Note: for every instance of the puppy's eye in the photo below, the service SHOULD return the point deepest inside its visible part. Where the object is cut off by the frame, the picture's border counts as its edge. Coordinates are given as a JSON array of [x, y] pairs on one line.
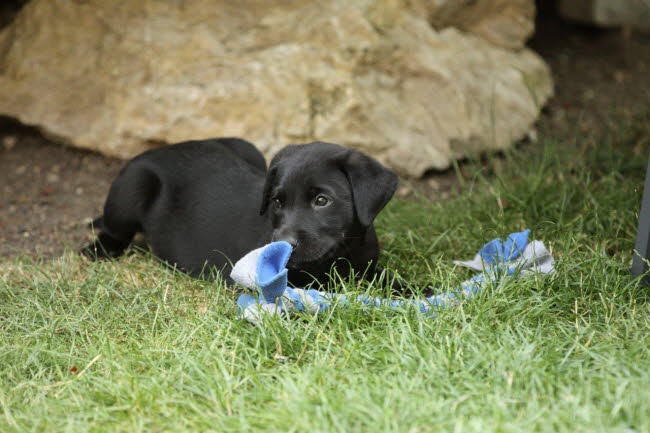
[[321, 201], [277, 203]]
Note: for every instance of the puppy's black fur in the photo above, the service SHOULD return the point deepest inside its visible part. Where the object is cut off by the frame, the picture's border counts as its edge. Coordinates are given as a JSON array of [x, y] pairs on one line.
[[205, 204]]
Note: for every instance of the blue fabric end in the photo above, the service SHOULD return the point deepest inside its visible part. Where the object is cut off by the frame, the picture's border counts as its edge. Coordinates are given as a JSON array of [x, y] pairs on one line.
[[498, 251], [271, 270]]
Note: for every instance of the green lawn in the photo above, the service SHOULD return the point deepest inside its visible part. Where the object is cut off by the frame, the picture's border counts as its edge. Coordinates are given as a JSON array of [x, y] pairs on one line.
[[131, 346]]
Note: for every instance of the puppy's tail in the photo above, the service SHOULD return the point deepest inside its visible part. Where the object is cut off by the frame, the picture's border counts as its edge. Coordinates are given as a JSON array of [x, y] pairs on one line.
[[97, 224]]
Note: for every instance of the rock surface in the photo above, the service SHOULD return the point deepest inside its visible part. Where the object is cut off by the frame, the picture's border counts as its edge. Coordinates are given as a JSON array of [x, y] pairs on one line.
[[608, 13], [415, 83]]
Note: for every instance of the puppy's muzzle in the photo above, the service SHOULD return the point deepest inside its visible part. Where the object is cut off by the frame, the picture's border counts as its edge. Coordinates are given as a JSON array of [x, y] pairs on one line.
[[291, 239]]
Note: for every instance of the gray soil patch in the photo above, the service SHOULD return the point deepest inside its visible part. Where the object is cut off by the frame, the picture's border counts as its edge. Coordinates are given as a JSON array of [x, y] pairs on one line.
[[49, 192]]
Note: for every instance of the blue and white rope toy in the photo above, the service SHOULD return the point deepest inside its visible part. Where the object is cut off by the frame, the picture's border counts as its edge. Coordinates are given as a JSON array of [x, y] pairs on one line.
[[264, 270]]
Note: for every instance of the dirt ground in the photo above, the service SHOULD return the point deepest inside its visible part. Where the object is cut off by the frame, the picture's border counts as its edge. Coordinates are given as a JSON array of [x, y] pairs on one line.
[[50, 192]]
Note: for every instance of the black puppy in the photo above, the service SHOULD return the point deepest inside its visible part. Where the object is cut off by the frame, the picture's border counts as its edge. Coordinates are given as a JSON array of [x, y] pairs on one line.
[[205, 204]]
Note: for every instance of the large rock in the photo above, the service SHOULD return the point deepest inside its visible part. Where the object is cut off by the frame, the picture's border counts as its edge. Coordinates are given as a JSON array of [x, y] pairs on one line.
[[416, 83]]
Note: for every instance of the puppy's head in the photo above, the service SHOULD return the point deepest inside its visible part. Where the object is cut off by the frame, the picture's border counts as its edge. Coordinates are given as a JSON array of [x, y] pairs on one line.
[[321, 196]]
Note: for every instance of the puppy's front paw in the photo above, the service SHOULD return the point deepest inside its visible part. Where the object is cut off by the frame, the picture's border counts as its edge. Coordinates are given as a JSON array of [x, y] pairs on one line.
[[99, 250]]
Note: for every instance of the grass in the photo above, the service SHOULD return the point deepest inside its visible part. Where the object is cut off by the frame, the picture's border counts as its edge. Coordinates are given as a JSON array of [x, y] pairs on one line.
[[131, 346]]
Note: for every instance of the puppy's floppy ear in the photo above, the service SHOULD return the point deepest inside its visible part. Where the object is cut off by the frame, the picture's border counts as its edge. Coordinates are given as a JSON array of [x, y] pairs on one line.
[[372, 184], [266, 192]]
